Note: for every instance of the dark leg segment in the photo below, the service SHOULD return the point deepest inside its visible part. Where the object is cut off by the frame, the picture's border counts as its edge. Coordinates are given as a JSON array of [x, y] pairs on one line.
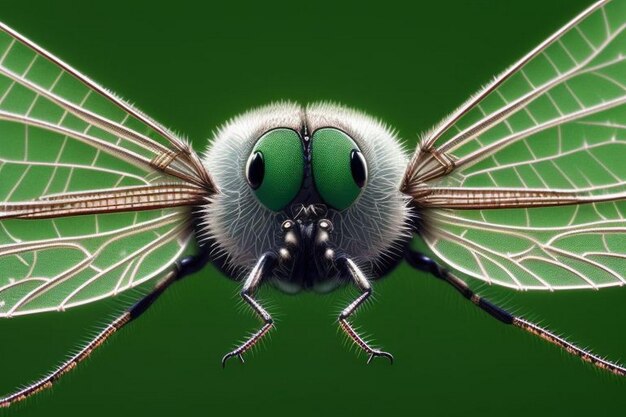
[[349, 268], [265, 263], [184, 268], [423, 263]]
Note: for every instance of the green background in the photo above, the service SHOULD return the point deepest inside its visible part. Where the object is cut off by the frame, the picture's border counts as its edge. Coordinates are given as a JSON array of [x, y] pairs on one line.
[[192, 67]]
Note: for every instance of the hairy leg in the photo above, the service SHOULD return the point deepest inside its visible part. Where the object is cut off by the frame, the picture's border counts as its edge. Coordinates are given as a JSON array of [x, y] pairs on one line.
[[254, 279], [184, 267], [364, 286], [423, 263]]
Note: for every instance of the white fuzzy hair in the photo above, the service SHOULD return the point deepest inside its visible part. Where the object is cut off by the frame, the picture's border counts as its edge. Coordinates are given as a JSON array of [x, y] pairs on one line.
[[242, 228]]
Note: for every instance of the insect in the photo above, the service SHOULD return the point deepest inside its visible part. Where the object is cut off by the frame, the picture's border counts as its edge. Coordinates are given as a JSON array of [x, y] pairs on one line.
[[523, 186]]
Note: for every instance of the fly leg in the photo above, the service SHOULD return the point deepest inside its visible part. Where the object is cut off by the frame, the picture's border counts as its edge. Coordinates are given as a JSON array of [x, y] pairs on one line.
[[366, 290], [261, 270], [265, 263], [183, 268], [423, 263], [349, 269]]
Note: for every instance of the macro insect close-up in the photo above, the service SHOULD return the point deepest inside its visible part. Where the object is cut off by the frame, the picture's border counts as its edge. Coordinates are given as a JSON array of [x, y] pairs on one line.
[[522, 187]]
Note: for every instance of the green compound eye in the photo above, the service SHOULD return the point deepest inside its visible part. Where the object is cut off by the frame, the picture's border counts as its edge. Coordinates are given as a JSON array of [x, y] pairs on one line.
[[339, 169], [275, 168]]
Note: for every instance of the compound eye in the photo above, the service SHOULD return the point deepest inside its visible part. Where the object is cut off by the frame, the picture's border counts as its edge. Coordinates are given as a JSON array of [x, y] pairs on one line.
[[275, 168], [339, 168]]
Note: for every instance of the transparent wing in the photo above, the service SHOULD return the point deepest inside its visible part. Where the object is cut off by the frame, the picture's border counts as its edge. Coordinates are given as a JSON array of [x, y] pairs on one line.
[[38, 91], [525, 185], [94, 196], [54, 264]]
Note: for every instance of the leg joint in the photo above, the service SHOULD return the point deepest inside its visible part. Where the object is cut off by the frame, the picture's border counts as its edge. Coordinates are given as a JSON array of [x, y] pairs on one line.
[[190, 265]]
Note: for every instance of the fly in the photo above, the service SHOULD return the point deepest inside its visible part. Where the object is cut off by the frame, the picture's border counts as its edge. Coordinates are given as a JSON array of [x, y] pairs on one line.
[[523, 186]]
